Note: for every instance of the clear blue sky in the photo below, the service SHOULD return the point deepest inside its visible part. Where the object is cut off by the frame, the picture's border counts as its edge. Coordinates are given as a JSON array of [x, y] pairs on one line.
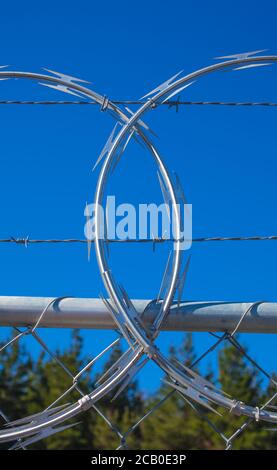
[[225, 157]]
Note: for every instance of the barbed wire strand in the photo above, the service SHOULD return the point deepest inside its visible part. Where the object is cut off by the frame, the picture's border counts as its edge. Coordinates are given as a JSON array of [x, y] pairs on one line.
[[170, 103], [28, 241]]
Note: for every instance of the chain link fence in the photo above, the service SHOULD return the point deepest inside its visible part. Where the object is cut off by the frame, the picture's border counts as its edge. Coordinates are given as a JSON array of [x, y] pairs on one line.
[[123, 436]]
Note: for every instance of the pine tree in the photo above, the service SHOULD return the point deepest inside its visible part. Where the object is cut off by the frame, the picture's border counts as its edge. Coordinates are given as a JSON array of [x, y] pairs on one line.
[[15, 370], [242, 381], [28, 386], [122, 412], [175, 425], [49, 382]]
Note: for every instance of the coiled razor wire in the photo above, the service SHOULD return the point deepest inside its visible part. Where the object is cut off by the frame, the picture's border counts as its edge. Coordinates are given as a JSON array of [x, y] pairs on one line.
[[194, 389]]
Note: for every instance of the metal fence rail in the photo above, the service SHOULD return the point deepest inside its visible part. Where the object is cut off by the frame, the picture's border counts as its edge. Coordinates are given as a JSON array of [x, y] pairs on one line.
[[183, 316], [124, 435]]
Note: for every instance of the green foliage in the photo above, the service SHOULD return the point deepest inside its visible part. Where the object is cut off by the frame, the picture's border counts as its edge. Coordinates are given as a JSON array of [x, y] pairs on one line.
[[28, 386]]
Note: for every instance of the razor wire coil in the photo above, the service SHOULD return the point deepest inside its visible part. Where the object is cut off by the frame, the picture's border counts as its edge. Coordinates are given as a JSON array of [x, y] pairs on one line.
[[196, 391]]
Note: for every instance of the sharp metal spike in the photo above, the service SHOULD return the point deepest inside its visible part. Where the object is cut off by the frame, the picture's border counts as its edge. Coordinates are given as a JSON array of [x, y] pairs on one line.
[[194, 395], [126, 297], [180, 198], [96, 358], [179, 189], [162, 86], [165, 193], [3, 67], [182, 281], [118, 321], [177, 91], [129, 378], [250, 66], [122, 150], [121, 325], [241, 55], [186, 214], [165, 276], [122, 360], [197, 379], [108, 305], [42, 435], [36, 417], [122, 387], [66, 78], [130, 306], [61, 88], [19, 444], [106, 147], [4, 416]]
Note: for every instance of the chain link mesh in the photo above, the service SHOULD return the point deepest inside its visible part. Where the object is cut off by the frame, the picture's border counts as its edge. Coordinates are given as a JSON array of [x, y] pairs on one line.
[[124, 435]]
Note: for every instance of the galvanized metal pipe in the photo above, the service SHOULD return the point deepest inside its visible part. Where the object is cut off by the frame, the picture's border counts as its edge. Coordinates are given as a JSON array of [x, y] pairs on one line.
[[93, 314]]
